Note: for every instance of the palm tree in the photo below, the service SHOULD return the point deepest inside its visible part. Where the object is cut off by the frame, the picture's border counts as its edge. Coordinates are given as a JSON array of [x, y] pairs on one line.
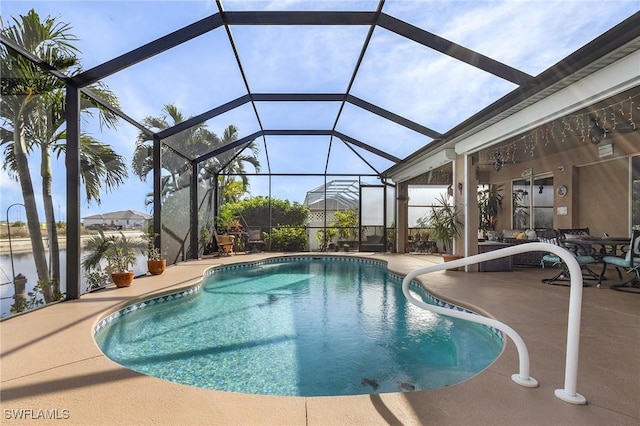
[[190, 143], [100, 165], [23, 83], [43, 126], [234, 164]]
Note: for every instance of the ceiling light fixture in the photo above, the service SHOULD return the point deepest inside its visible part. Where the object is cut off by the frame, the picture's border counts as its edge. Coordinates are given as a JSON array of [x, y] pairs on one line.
[[497, 164]]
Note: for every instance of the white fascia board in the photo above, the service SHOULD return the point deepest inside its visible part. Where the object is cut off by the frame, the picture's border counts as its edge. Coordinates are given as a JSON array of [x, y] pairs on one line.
[[615, 78], [424, 165]]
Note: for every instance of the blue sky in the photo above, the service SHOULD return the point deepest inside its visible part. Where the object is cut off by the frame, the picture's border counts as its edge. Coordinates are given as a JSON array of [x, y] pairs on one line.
[[396, 74]]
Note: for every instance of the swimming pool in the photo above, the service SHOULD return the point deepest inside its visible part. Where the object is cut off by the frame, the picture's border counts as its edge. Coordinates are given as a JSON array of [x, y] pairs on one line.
[[303, 326]]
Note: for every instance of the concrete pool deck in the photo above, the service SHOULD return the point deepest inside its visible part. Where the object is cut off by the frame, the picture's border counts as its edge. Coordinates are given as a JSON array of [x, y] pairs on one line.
[[51, 366]]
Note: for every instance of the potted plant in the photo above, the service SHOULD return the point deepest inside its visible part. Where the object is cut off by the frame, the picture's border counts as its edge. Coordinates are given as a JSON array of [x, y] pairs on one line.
[[225, 220], [445, 223], [156, 263], [119, 252]]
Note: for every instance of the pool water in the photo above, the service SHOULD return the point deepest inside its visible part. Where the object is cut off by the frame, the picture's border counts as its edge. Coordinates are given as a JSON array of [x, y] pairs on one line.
[[307, 327]]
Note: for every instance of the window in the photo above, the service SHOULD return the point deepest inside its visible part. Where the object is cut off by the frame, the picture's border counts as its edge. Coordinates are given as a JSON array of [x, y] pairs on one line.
[[533, 203]]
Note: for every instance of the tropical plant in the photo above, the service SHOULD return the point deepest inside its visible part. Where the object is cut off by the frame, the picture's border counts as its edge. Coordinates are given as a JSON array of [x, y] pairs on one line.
[[346, 223], [151, 251], [33, 105], [227, 216], [489, 204], [445, 221], [119, 252], [392, 232], [232, 162], [520, 209], [97, 279], [325, 236], [190, 143]]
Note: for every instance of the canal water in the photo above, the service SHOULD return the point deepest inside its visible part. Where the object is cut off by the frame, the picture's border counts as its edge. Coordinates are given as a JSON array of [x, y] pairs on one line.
[[24, 264]]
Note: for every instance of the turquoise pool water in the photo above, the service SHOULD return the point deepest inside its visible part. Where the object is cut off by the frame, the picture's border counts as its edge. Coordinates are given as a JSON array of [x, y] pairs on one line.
[[305, 327]]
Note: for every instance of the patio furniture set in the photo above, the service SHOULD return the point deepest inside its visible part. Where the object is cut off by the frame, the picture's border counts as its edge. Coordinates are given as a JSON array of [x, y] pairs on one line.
[[623, 253]]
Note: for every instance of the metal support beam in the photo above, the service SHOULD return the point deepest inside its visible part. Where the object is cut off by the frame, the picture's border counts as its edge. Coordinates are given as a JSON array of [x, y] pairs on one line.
[[193, 191], [454, 50], [228, 146], [298, 18], [148, 50], [72, 159], [398, 119], [201, 118], [157, 191], [366, 147], [298, 97]]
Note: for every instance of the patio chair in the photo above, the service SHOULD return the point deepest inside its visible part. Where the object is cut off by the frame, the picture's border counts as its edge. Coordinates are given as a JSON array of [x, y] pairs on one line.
[[225, 248], [254, 240], [582, 257], [630, 262]]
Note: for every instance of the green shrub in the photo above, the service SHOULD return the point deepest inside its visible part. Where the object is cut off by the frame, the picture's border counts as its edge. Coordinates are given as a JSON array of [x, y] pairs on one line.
[[255, 211], [287, 239]]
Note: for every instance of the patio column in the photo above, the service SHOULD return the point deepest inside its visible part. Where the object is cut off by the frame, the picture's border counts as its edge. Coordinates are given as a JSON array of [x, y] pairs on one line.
[[471, 220], [193, 193], [403, 217]]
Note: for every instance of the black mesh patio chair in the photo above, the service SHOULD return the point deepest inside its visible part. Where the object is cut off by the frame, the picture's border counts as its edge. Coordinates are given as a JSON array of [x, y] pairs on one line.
[[254, 240], [584, 259], [630, 262]]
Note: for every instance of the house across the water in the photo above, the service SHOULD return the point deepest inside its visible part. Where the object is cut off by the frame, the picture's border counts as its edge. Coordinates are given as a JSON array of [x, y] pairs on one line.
[[126, 219]]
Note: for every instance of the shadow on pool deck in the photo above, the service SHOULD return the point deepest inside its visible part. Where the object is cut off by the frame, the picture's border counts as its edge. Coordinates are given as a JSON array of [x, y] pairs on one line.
[[50, 362]]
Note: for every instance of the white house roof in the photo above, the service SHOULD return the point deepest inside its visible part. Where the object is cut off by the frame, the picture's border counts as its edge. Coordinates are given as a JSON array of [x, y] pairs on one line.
[[121, 215]]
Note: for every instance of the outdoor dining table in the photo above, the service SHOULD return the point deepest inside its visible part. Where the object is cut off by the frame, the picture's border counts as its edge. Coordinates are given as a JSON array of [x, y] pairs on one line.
[[600, 247], [603, 246]]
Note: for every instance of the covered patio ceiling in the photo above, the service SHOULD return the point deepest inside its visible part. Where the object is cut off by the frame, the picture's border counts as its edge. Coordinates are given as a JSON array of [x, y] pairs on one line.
[[328, 88], [612, 120]]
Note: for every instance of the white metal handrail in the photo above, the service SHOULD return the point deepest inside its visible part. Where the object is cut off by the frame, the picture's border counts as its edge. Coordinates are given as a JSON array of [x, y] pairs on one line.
[[567, 394]]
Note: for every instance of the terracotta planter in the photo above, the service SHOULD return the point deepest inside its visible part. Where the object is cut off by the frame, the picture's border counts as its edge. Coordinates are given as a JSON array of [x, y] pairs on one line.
[[156, 267], [224, 241], [450, 257], [122, 279]]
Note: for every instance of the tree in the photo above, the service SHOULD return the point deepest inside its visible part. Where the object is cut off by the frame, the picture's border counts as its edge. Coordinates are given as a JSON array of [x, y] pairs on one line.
[[346, 222], [22, 84], [178, 150], [445, 221], [233, 163], [190, 144], [42, 125]]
